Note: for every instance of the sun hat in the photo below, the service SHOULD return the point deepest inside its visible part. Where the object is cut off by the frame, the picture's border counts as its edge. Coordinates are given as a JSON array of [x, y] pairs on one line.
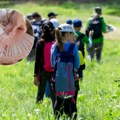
[[55, 22], [77, 23], [67, 28], [13, 48]]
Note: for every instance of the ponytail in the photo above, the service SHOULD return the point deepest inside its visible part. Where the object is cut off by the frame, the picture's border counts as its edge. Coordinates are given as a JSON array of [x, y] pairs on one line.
[[59, 41]]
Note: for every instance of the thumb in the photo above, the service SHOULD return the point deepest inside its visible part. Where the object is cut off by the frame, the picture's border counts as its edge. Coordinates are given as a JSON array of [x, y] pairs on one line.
[[11, 29]]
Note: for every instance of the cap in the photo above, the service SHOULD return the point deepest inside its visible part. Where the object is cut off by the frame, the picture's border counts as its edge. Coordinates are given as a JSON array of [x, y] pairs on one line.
[[67, 28], [98, 10], [77, 23], [52, 14], [55, 22], [69, 21]]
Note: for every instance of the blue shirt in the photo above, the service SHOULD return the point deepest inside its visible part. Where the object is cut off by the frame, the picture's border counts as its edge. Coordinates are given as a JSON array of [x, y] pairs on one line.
[[66, 47]]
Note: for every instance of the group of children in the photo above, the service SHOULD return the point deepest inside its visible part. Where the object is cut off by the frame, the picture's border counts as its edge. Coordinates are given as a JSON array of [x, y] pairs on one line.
[[52, 41], [60, 56], [62, 38]]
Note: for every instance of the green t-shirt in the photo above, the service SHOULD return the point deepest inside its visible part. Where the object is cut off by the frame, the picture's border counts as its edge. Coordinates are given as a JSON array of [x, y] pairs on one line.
[[101, 39], [84, 39]]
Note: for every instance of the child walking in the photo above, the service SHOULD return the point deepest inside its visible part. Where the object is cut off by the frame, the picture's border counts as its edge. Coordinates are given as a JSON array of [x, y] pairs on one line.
[[36, 24], [81, 40], [65, 35], [98, 25], [43, 70]]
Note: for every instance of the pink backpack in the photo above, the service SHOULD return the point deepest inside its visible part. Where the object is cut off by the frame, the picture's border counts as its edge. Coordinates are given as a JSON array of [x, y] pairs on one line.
[[47, 63]]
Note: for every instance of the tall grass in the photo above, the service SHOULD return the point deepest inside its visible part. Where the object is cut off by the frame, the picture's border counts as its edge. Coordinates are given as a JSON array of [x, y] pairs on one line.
[[99, 97]]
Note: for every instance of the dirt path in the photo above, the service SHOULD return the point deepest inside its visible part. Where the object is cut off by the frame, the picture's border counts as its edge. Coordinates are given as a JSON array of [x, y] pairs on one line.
[[113, 35]]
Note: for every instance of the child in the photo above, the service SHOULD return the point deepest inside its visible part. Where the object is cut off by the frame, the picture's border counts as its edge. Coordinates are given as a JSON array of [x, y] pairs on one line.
[[98, 25], [65, 36], [36, 23], [43, 70], [81, 40]]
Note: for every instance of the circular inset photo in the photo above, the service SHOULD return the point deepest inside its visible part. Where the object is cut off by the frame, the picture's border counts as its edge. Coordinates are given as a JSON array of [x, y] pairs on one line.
[[16, 37]]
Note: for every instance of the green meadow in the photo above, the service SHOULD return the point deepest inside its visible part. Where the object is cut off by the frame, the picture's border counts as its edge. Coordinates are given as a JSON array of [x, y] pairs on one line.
[[99, 95]]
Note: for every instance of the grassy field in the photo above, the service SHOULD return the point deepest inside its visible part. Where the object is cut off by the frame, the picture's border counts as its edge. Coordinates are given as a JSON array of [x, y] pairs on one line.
[[99, 97]]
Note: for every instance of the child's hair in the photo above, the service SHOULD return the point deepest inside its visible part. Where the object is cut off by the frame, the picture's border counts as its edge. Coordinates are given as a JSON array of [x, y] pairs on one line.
[[48, 31], [36, 15], [59, 41]]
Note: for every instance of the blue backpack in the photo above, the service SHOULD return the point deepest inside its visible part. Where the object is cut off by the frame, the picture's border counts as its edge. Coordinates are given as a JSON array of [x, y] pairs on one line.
[[64, 73]]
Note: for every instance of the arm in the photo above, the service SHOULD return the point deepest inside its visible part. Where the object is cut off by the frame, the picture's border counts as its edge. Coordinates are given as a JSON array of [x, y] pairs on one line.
[[36, 68], [37, 59], [104, 28], [38, 63], [76, 58], [89, 34], [88, 40], [53, 55]]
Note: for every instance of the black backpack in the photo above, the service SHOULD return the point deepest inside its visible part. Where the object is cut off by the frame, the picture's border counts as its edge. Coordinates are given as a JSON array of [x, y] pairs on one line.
[[96, 26]]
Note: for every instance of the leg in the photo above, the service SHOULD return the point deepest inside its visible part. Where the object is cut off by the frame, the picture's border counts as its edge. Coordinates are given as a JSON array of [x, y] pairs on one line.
[[58, 107], [99, 52], [41, 86], [44, 77], [80, 72], [52, 95], [47, 90], [67, 107], [74, 107], [50, 92], [70, 107]]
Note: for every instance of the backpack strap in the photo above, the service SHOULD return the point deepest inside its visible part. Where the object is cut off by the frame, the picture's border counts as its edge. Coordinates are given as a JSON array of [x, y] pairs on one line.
[[82, 35], [71, 48]]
